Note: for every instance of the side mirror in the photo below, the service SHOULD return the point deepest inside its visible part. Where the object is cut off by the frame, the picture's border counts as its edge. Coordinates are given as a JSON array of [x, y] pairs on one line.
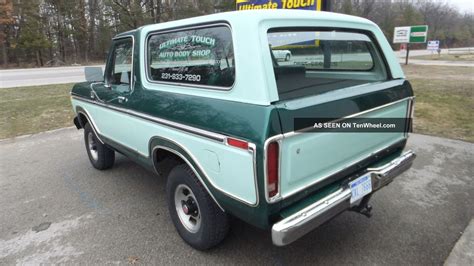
[[94, 74]]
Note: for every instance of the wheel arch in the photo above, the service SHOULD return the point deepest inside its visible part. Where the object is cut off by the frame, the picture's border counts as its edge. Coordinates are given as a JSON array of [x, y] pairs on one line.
[[161, 148], [83, 118]]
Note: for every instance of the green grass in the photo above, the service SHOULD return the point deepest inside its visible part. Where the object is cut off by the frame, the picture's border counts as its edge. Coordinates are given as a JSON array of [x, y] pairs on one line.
[[446, 57], [444, 100], [444, 108], [28, 110]]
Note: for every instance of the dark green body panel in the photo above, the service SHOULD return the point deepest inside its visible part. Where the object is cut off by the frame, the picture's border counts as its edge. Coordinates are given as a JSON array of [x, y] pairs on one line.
[[253, 123], [346, 106]]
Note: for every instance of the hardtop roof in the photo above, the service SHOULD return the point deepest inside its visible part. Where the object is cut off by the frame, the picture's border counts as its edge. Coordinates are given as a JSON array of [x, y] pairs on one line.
[[253, 17]]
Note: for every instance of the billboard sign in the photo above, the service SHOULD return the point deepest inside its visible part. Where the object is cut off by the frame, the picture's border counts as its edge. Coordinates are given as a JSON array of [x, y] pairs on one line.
[[410, 34], [433, 45], [318, 5]]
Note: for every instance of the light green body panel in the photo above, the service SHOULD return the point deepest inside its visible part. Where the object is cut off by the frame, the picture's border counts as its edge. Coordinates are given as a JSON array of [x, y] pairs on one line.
[[307, 158], [228, 169]]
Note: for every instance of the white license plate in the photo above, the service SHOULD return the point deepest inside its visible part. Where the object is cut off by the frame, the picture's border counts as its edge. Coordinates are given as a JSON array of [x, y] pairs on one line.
[[360, 187]]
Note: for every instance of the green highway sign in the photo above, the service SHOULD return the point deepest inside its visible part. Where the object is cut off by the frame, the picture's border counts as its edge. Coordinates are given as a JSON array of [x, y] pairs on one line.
[[410, 34]]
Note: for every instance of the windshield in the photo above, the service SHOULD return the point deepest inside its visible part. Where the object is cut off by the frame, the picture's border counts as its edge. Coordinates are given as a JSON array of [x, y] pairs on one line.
[[308, 62]]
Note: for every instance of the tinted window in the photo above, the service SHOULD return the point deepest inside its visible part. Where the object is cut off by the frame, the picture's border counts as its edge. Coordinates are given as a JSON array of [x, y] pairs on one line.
[[308, 62], [201, 56]]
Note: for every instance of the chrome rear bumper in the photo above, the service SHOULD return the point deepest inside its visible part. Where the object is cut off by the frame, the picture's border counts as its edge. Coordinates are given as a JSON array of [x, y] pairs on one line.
[[295, 226]]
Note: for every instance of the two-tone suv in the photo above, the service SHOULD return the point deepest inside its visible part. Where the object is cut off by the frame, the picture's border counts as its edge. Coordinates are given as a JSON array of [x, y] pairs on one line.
[[204, 103]]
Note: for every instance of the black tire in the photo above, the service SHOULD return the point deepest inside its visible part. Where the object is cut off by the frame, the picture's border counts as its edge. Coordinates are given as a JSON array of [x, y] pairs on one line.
[[287, 57], [100, 156], [214, 223]]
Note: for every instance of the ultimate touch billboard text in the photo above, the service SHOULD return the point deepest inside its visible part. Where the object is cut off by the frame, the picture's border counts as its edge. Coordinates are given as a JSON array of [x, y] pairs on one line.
[[282, 4]]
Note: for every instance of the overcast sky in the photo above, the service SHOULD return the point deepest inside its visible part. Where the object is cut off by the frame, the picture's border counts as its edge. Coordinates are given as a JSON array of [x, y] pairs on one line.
[[462, 5]]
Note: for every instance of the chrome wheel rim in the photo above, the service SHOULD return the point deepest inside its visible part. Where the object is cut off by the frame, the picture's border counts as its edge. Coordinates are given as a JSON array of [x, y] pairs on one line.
[[92, 145], [187, 208]]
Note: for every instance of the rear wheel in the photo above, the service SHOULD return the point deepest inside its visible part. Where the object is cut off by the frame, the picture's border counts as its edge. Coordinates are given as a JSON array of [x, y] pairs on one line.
[[100, 156], [287, 57], [197, 218]]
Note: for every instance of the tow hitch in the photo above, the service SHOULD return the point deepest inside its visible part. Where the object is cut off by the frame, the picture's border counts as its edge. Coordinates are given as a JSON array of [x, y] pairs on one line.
[[364, 207]]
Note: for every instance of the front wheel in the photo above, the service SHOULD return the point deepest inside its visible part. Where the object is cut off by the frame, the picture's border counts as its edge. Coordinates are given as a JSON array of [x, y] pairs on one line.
[[197, 218], [287, 57], [100, 156]]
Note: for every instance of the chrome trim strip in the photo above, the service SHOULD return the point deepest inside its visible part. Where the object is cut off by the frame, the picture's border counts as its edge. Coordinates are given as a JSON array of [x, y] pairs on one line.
[[178, 84], [196, 131], [281, 137], [210, 180]]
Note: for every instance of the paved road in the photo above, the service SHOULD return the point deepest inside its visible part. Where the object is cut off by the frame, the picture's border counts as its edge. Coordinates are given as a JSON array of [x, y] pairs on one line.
[[86, 216], [438, 62], [402, 54], [58, 75], [41, 76]]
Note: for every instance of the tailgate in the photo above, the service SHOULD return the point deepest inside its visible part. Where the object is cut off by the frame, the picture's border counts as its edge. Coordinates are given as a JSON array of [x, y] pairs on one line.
[[309, 158]]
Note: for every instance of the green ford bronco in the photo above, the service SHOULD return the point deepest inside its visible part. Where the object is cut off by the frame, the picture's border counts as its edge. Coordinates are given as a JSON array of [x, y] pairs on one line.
[[205, 103]]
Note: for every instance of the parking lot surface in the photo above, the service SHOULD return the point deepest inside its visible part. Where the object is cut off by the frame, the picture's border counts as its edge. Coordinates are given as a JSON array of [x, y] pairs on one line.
[[57, 208]]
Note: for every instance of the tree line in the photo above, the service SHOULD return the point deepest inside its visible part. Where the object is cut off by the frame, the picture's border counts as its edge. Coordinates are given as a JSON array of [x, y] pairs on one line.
[[61, 32]]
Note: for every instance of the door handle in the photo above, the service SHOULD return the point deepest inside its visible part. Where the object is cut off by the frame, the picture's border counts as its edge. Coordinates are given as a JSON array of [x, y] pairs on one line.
[[122, 99]]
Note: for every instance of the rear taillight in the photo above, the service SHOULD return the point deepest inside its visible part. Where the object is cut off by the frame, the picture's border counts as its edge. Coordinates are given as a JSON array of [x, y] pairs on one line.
[[272, 169]]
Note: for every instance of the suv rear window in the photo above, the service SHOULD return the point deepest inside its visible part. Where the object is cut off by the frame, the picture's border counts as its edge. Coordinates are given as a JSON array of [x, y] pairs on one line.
[[201, 56], [309, 62]]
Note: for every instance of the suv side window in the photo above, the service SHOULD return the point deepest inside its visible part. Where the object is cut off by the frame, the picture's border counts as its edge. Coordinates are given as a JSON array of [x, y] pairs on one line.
[[121, 65], [201, 56]]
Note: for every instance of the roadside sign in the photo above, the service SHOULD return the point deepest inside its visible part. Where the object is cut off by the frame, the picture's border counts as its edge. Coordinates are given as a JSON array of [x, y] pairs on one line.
[[433, 45], [401, 35], [419, 34], [410, 34], [318, 5]]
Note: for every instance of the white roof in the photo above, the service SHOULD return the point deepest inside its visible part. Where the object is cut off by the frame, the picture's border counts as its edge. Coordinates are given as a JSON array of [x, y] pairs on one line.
[[256, 16]]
